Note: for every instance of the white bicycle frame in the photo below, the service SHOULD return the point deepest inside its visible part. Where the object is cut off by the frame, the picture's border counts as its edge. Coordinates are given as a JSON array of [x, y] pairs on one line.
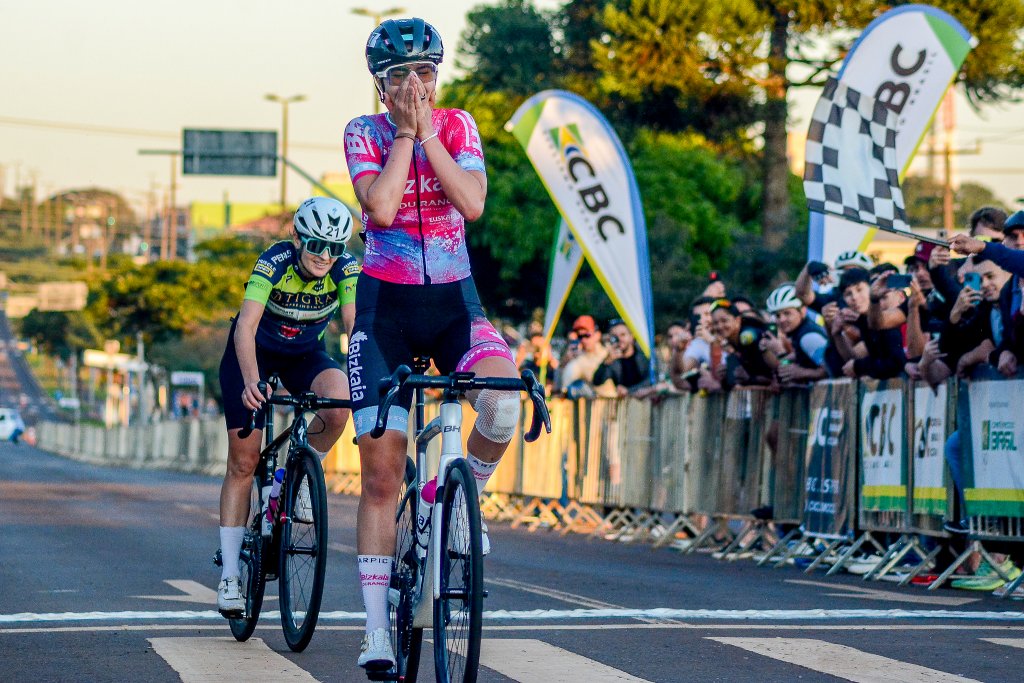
[[428, 516]]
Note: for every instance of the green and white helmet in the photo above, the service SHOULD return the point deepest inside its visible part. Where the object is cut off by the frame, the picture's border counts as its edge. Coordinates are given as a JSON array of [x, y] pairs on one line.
[[783, 297], [854, 258]]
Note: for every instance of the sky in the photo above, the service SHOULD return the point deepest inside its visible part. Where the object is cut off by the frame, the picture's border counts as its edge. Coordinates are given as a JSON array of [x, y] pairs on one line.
[[75, 71]]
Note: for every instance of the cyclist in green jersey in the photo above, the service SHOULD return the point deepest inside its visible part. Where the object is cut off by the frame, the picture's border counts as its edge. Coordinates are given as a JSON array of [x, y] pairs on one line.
[[295, 289]]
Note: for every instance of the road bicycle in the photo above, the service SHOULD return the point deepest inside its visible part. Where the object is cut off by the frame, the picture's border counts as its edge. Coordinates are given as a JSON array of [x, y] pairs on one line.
[[437, 570], [277, 545]]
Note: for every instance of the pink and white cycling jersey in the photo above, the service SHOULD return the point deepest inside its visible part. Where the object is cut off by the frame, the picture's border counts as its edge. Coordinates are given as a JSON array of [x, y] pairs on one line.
[[426, 244]]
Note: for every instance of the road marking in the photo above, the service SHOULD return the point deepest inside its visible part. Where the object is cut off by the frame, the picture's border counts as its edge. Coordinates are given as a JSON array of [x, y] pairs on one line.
[[571, 598], [199, 510], [842, 661], [209, 660], [875, 594], [1011, 642], [551, 615], [193, 592], [534, 661], [531, 628]]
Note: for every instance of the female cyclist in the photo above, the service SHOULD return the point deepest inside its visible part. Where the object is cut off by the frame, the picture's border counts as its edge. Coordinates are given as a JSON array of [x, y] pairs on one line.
[[295, 288], [419, 176]]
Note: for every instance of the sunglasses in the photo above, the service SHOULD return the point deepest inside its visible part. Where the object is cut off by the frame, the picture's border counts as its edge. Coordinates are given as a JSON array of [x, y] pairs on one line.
[[426, 72], [317, 247], [582, 335]]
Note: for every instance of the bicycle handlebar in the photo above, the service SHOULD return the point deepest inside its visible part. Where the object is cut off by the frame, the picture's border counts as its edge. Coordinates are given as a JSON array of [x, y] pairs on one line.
[[460, 383], [303, 402]]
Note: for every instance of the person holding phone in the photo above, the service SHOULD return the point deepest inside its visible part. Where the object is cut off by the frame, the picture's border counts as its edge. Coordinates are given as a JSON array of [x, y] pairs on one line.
[[794, 345]]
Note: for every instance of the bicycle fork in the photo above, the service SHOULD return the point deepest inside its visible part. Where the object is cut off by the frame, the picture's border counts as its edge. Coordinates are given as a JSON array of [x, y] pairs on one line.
[[429, 515]]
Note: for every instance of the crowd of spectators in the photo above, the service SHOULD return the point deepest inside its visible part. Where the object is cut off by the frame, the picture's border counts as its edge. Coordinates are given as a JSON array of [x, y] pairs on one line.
[[941, 316]]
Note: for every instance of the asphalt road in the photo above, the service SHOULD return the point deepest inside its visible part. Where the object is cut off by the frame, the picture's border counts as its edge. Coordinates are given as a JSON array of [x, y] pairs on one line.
[[106, 575]]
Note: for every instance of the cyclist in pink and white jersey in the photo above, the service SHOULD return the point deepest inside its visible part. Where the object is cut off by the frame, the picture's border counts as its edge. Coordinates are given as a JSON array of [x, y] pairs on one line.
[[419, 176]]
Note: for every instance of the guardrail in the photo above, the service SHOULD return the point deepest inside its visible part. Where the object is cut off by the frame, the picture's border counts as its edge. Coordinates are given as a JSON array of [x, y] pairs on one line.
[[841, 465]]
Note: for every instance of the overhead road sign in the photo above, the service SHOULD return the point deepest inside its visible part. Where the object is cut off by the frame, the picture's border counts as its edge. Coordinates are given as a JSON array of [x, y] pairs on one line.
[[229, 152]]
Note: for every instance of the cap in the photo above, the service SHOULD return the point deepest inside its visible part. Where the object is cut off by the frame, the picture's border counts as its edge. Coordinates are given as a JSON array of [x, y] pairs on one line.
[[922, 252], [585, 323]]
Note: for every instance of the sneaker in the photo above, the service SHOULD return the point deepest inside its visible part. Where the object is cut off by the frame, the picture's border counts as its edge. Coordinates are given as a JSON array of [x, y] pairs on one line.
[[862, 565], [986, 578], [375, 653], [303, 511], [229, 597], [956, 527]]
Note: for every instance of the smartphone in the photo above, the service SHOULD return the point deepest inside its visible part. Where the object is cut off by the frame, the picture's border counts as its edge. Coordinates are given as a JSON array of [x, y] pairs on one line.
[[973, 280], [899, 281], [774, 329]]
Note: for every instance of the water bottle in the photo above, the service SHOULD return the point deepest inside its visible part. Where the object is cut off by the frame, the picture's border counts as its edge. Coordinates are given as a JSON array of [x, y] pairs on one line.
[[275, 493]]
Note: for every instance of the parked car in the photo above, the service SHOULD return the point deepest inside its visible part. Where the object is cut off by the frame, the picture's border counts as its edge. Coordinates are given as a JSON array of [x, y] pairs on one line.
[[11, 425]]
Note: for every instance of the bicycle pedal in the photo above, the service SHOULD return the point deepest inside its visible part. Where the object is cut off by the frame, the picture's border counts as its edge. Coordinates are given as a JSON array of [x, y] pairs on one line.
[[232, 614], [391, 675], [486, 593]]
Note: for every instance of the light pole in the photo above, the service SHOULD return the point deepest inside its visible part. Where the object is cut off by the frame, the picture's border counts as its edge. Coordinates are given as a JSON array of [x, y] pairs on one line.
[[377, 17], [284, 101]]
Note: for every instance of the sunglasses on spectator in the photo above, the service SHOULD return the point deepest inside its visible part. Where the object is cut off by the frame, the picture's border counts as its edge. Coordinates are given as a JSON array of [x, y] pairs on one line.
[[317, 247], [580, 334], [720, 303], [427, 72]]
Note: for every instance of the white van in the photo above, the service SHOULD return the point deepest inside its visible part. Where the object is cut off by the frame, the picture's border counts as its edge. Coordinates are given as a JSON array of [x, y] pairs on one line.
[[10, 420]]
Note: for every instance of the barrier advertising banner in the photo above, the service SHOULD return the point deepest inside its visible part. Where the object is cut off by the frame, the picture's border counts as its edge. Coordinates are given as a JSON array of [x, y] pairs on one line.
[[566, 261], [828, 483], [929, 439], [882, 463], [906, 59], [996, 486], [584, 167]]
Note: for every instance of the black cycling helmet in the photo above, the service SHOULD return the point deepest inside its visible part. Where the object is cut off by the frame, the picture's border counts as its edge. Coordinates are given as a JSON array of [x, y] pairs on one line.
[[401, 41], [1014, 222]]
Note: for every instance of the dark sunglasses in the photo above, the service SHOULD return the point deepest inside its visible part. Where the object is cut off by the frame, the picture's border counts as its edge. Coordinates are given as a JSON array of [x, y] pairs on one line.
[[318, 246], [582, 335]]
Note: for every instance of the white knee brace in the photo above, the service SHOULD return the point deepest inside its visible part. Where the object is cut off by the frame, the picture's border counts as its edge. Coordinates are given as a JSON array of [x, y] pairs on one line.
[[497, 414]]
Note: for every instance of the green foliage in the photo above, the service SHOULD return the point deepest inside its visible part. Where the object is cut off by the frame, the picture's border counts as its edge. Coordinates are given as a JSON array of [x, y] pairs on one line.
[[199, 349], [60, 333], [923, 198]]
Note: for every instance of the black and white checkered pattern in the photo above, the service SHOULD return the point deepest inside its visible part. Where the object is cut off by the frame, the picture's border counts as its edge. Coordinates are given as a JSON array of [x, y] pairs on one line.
[[850, 170]]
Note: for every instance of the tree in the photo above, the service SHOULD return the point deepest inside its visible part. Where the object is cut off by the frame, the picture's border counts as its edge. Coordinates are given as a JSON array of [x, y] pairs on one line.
[[61, 333], [746, 48], [923, 198]]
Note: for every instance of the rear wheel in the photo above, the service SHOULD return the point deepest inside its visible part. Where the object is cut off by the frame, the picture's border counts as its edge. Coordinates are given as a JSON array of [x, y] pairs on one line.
[[251, 581], [303, 549], [406, 641], [458, 613]]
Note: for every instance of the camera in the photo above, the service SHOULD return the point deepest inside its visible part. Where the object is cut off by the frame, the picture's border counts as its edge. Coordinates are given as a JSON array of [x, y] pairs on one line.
[[611, 340]]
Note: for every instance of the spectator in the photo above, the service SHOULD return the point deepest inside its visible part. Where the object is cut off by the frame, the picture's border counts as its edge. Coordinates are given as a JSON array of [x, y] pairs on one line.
[[679, 337], [986, 225], [797, 352], [745, 306], [704, 354], [626, 365], [816, 272], [863, 351], [975, 326], [745, 364], [715, 288], [536, 357], [581, 362]]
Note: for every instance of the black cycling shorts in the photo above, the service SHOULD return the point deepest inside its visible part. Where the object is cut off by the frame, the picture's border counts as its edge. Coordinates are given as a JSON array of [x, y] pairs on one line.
[[296, 370], [397, 323]]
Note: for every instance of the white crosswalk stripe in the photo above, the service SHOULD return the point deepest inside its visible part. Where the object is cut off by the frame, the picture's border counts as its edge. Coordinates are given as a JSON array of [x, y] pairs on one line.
[[212, 660], [842, 661], [1010, 642], [534, 661]]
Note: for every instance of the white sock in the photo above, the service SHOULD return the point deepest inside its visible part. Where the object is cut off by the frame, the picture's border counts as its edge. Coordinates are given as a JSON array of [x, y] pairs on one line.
[[482, 471], [375, 578], [230, 548]]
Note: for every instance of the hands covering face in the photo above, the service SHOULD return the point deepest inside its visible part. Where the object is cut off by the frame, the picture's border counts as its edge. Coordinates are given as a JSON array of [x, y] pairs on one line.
[[413, 106]]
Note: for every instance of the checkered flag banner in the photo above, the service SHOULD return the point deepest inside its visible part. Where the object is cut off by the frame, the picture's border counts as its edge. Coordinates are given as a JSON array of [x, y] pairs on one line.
[[850, 169]]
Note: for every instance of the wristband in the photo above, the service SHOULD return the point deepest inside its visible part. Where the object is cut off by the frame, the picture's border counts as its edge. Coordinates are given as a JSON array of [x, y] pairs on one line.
[[429, 137], [405, 135]]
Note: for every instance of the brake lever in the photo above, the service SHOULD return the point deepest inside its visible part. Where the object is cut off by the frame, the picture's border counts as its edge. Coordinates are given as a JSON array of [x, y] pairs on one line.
[[244, 432], [392, 385], [540, 407]]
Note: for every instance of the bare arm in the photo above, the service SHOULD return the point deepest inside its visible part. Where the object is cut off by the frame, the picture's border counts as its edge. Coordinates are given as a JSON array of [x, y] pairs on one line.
[[245, 349], [348, 318], [804, 292]]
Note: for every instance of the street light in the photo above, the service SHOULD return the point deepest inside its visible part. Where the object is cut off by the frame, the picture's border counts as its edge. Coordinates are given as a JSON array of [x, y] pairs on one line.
[[284, 101], [377, 17]]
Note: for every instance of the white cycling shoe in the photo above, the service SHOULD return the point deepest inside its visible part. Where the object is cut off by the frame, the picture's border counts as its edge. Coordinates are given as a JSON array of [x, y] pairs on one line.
[[375, 653], [229, 597], [303, 511]]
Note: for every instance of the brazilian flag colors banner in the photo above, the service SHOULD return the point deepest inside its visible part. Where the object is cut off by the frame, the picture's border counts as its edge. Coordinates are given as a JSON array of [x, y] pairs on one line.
[[995, 483], [566, 261], [906, 59], [584, 167], [883, 469], [927, 447]]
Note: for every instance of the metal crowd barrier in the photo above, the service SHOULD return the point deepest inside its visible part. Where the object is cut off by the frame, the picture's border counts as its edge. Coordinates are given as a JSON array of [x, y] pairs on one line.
[[817, 473]]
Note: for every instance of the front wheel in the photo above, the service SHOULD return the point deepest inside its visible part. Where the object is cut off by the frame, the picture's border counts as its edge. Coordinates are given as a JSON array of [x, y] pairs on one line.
[[251, 579], [303, 548], [458, 613]]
